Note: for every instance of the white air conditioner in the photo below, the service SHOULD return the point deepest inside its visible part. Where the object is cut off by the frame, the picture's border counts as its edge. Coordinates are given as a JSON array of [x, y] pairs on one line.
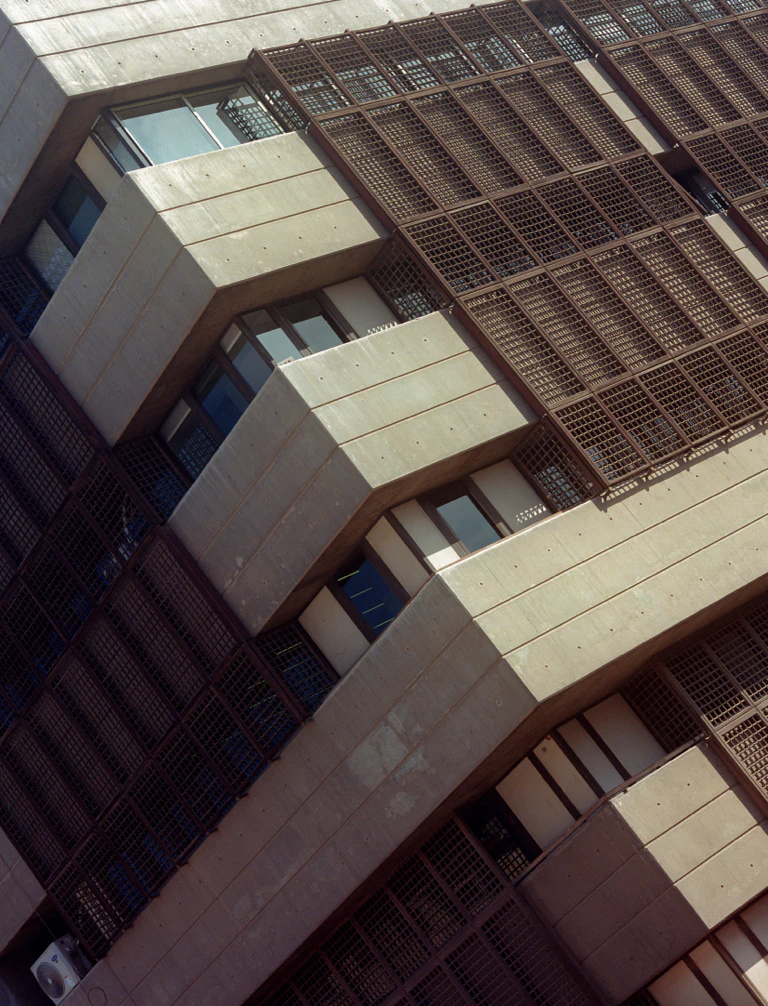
[[60, 968]]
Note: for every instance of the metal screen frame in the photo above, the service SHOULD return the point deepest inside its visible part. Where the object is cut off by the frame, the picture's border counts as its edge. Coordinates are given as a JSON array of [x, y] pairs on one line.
[[563, 263]]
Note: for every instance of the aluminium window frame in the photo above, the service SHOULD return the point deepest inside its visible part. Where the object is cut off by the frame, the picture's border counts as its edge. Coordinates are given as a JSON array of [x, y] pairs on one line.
[[469, 488], [111, 116]]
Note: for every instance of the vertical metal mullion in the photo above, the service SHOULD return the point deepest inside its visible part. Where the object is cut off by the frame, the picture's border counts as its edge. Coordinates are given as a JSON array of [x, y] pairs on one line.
[[393, 83], [461, 48], [191, 401], [705, 339], [707, 32], [509, 286], [493, 82], [550, 272], [409, 100], [642, 46], [233, 373]]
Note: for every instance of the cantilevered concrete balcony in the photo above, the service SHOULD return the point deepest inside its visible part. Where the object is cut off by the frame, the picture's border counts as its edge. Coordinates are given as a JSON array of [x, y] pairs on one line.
[[332, 441], [653, 870], [179, 250], [490, 655], [62, 62]]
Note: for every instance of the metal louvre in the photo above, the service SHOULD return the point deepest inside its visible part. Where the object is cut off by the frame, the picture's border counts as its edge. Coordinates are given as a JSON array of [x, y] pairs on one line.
[[446, 928], [580, 263], [133, 711]]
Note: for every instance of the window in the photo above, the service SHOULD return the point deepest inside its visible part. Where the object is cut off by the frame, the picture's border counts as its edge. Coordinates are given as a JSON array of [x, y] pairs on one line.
[[61, 233], [182, 125], [253, 345], [465, 517], [369, 593]]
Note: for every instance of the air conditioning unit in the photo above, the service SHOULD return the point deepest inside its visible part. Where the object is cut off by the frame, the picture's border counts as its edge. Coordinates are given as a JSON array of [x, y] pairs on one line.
[[60, 968]]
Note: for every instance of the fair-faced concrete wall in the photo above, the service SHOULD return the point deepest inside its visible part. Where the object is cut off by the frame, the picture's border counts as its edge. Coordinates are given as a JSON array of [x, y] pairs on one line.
[[332, 441], [61, 61], [653, 871], [20, 893], [178, 251], [490, 654]]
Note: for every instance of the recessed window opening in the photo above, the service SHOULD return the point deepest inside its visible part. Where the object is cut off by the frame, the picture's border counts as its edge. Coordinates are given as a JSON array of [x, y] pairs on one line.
[[253, 345], [470, 521], [182, 125], [61, 233], [369, 593]]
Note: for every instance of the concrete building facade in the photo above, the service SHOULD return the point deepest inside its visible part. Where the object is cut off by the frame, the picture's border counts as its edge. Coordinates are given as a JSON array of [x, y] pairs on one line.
[[383, 536]]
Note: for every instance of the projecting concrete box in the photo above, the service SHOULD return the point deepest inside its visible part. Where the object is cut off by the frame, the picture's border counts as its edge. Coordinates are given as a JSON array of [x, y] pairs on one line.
[[179, 250], [655, 869]]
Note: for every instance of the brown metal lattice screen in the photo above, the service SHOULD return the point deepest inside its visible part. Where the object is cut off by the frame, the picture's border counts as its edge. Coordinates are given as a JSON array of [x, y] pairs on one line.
[[578, 262], [133, 710], [446, 928]]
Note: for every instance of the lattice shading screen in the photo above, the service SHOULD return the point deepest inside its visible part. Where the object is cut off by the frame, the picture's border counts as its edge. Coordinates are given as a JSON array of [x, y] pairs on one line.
[[700, 72], [564, 247], [133, 710], [447, 929], [715, 684]]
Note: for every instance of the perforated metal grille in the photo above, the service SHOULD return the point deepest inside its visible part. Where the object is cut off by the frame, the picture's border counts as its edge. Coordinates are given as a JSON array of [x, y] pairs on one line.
[[446, 928], [493, 183], [132, 712]]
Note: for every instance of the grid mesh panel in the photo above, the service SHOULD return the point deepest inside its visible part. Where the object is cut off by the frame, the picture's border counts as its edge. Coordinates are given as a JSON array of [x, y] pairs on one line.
[[294, 661], [404, 284], [20, 299], [34, 402], [565, 328], [378, 166], [86, 699], [184, 605], [545, 460], [661, 710], [153, 474]]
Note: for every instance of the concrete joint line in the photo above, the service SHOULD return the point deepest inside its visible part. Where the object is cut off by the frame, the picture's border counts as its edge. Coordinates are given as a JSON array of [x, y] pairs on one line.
[[266, 223], [104, 298], [176, 31], [609, 548], [127, 335], [634, 586], [230, 192], [330, 837]]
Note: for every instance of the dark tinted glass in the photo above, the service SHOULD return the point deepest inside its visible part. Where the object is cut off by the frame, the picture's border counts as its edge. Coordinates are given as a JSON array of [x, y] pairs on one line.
[[220, 398], [193, 445], [370, 593], [76, 210]]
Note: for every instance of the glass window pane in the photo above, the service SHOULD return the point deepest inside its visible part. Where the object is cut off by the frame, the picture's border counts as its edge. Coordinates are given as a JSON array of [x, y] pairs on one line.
[[233, 115], [76, 210], [166, 130], [277, 344], [49, 256], [466, 521], [370, 593], [220, 398], [249, 362], [308, 319]]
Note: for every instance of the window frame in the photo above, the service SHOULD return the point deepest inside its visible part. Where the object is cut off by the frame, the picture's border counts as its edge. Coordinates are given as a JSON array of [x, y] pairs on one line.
[[111, 116], [219, 356], [429, 502], [57, 225], [368, 553]]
